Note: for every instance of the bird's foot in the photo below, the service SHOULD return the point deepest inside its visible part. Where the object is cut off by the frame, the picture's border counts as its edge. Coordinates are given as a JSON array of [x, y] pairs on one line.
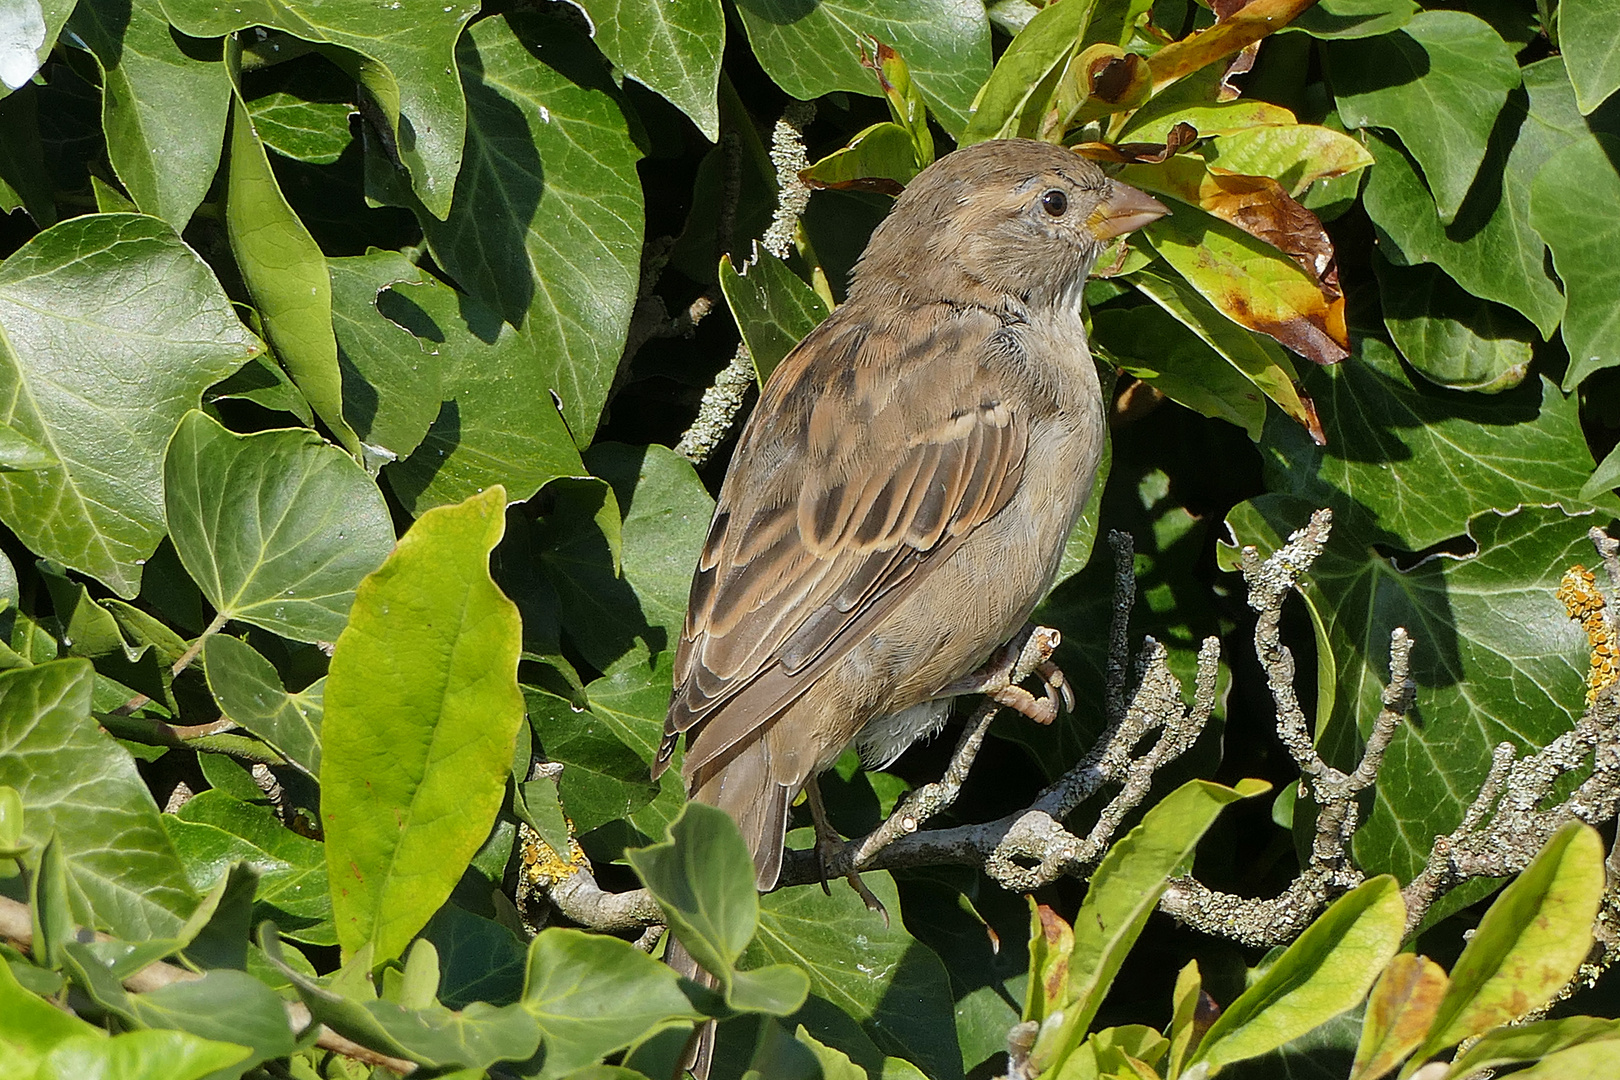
[[994, 679], [829, 846]]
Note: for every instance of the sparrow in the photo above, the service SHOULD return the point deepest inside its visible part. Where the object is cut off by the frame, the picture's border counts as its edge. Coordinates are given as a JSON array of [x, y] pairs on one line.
[[899, 500]]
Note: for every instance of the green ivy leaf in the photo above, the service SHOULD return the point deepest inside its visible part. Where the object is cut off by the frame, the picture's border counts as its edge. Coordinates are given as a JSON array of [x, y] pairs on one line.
[[403, 55], [422, 708], [163, 107], [1491, 249], [1589, 38], [1439, 83], [392, 389], [546, 226], [112, 328], [1576, 229], [77, 783], [810, 50], [602, 778], [887, 981], [671, 48], [1449, 337], [277, 528], [1353, 18], [591, 995], [215, 831], [249, 692], [773, 307], [1152, 346]]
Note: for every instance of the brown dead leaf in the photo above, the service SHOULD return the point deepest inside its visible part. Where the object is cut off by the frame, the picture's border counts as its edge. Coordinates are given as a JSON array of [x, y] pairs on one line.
[[1246, 24], [1399, 1011], [1256, 204], [1179, 137]]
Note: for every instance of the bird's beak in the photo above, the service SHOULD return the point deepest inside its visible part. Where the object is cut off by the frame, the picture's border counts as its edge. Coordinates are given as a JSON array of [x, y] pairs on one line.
[[1124, 210]]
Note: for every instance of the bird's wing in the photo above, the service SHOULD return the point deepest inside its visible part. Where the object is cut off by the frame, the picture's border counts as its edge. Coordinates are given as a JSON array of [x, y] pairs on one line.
[[872, 454]]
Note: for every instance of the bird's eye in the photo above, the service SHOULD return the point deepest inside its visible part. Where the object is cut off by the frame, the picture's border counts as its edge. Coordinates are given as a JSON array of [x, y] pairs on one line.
[[1055, 202]]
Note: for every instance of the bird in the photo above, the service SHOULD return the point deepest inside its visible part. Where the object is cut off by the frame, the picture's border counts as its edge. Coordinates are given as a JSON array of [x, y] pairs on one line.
[[899, 499]]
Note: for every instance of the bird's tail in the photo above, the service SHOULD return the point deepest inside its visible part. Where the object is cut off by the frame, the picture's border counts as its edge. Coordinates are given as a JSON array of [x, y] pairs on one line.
[[699, 1054]]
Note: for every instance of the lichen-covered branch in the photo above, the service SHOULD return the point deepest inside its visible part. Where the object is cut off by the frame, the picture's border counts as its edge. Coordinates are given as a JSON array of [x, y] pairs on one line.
[[723, 400]]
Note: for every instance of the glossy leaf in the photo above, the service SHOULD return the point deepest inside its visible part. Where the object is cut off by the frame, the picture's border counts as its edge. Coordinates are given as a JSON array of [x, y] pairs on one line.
[[1449, 337], [879, 158], [813, 50], [1327, 970], [497, 422], [546, 225], [1123, 892], [81, 786], [1491, 250], [428, 1034], [435, 696], [1529, 943], [703, 878], [1589, 37], [672, 48], [112, 328], [249, 691], [1295, 155], [1196, 100], [773, 307], [28, 33], [1575, 230], [163, 108], [1013, 100], [883, 978], [1534, 1041], [277, 528], [393, 383], [1353, 18], [1399, 1011], [403, 55], [591, 995], [139, 1055], [215, 831], [1151, 345], [285, 275], [1257, 359], [602, 778], [1438, 83]]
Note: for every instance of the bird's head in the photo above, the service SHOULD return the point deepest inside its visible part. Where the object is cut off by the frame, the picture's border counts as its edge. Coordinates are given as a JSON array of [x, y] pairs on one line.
[[1004, 221]]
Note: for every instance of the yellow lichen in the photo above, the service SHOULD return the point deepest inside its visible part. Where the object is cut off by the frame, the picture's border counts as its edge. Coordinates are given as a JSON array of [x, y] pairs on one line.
[[542, 864], [1584, 602]]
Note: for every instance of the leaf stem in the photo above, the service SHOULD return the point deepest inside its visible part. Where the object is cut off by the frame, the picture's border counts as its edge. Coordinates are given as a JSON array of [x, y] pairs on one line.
[[181, 664]]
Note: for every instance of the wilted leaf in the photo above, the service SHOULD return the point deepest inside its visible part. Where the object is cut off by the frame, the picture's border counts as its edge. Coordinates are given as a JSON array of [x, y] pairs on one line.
[[1399, 1012], [881, 158], [1248, 25], [1255, 284], [1257, 358]]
